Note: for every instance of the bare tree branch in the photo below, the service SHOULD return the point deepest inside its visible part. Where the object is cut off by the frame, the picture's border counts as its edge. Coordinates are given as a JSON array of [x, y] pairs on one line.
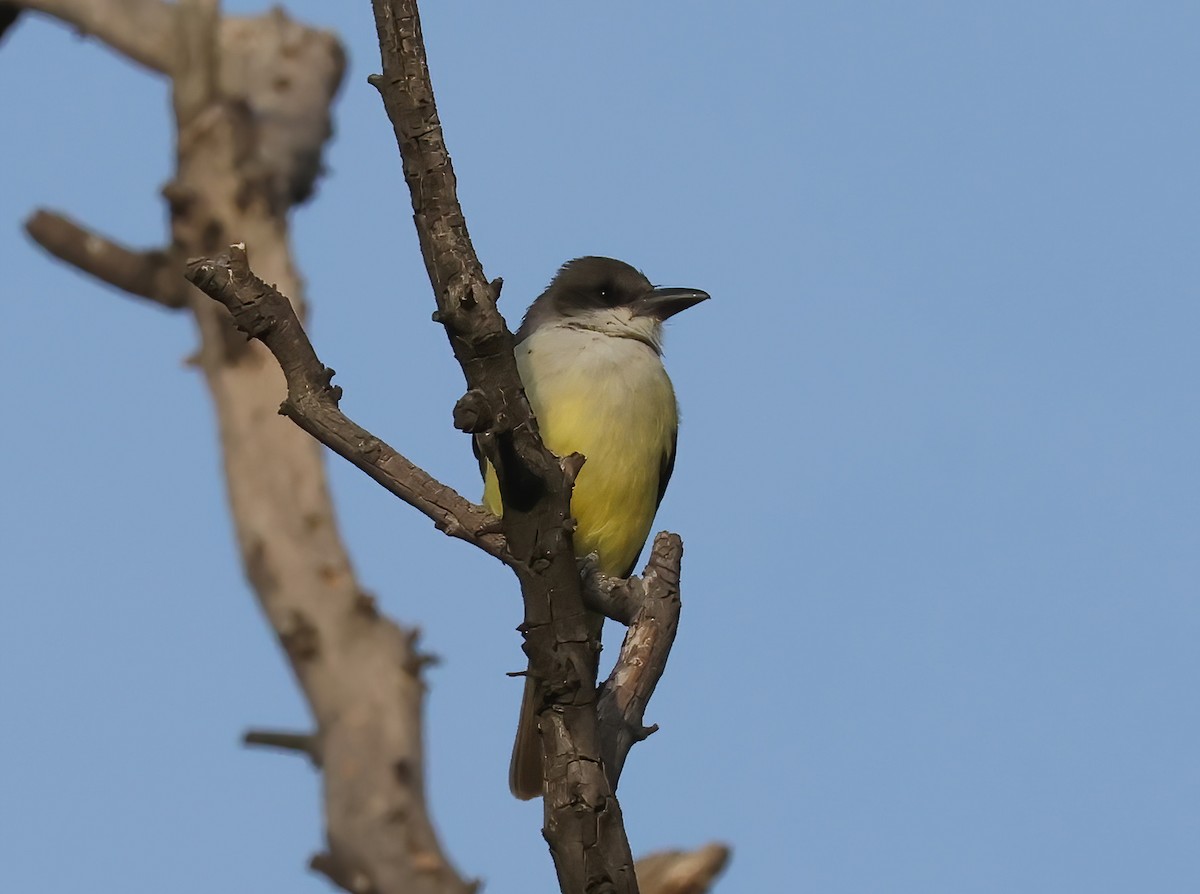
[[147, 274], [140, 30], [643, 657], [360, 672], [286, 73], [582, 818], [194, 82], [312, 402], [303, 743], [682, 872], [252, 101]]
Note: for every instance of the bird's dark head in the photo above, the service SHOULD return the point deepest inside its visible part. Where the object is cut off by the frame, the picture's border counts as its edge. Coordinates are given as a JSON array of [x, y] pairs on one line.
[[608, 296]]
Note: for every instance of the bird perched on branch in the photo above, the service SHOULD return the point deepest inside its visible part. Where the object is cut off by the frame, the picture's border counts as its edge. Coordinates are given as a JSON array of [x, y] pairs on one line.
[[590, 356]]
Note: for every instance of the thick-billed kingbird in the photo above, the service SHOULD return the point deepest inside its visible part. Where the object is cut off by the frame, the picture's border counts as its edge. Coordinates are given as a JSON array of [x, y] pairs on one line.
[[590, 356]]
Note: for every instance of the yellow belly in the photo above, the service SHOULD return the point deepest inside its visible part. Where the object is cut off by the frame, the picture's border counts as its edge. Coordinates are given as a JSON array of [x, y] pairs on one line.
[[609, 399]]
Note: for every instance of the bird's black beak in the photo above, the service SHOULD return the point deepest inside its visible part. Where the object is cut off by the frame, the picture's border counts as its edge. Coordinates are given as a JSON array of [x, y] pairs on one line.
[[664, 303]]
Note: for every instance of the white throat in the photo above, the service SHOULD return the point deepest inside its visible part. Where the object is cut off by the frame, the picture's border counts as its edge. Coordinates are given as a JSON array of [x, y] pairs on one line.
[[618, 322]]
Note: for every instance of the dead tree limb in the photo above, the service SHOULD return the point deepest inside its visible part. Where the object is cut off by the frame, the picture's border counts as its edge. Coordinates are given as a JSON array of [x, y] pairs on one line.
[[147, 274], [582, 817], [650, 607], [261, 312], [139, 30], [252, 102]]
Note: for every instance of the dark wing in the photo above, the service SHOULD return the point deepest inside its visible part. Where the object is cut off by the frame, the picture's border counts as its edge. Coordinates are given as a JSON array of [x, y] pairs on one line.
[[479, 456], [664, 475], [668, 466]]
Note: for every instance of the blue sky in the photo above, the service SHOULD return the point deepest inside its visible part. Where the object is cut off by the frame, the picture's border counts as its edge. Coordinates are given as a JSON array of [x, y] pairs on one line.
[[937, 471]]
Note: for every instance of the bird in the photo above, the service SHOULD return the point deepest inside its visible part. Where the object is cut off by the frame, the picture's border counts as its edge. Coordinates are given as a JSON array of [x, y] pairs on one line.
[[589, 351]]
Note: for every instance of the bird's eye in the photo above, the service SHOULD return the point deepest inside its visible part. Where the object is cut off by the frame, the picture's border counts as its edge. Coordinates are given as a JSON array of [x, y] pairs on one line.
[[608, 295]]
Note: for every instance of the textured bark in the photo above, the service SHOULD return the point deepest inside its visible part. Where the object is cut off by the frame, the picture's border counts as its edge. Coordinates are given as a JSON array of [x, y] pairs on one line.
[[582, 818], [650, 607]]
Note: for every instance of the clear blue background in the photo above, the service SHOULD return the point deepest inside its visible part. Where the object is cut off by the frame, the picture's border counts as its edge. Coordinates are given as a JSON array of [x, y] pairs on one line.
[[937, 472]]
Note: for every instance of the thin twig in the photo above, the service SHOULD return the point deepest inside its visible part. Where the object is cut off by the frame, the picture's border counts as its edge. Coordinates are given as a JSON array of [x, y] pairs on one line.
[[303, 743], [261, 312], [643, 657], [147, 274]]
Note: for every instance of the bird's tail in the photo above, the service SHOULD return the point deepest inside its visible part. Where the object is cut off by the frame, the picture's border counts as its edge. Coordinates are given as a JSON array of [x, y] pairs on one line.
[[525, 768]]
